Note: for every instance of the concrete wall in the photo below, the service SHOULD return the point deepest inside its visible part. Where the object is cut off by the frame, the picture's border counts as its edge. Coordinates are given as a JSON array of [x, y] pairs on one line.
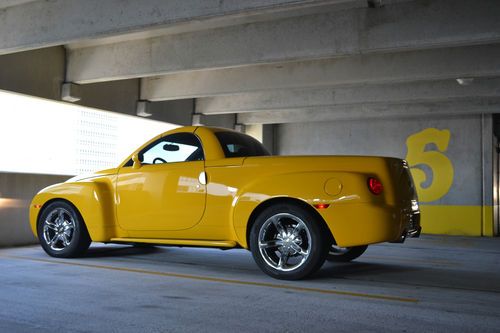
[[176, 112], [16, 192], [37, 73], [451, 160], [119, 96]]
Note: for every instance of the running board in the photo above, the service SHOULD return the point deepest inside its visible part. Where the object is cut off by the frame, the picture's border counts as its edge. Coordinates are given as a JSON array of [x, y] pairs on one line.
[[177, 242]]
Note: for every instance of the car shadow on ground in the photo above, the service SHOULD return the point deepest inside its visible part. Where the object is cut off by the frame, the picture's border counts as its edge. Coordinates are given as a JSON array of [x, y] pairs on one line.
[[359, 269], [409, 275], [105, 251], [239, 264]]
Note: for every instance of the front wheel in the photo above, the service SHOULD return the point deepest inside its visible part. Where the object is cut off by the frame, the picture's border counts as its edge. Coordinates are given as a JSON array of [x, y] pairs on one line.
[[62, 232], [288, 242], [345, 254]]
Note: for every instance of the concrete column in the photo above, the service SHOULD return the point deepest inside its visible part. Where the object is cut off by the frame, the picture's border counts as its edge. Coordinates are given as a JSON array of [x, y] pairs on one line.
[[263, 133], [487, 169]]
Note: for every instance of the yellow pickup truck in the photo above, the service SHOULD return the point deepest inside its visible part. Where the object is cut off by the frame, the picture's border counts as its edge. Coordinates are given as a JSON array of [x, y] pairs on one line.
[[213, 187]]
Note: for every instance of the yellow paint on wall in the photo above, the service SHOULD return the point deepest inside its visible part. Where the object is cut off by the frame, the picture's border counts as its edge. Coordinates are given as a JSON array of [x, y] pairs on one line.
[[442, 169], [488, 228], [457, 220]]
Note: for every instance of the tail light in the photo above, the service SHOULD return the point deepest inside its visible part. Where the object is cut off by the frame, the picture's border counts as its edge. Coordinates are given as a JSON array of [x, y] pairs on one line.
[[375, 186]]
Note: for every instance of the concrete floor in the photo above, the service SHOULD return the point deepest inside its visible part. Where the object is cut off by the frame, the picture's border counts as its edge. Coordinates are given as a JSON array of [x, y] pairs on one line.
[[431, 284]]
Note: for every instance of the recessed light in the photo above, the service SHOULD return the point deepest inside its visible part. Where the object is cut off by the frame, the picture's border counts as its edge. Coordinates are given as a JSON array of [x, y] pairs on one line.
[[465, 81]]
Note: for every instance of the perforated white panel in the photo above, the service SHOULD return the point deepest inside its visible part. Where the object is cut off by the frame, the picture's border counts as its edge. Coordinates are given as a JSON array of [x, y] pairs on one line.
[[48, 137]]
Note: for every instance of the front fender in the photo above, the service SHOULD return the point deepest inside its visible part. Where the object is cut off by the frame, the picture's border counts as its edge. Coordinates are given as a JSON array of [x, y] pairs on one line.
[[93, 198]]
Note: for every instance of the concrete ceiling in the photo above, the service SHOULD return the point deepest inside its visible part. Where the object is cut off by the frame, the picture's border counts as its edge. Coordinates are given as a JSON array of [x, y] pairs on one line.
[[276, 60]]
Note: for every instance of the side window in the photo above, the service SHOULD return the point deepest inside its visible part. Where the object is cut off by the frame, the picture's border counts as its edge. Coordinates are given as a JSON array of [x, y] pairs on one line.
[[239, 145], [178, 147]]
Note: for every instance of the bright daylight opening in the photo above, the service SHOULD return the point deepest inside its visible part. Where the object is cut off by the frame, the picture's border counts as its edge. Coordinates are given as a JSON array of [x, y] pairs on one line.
[[47, 137]]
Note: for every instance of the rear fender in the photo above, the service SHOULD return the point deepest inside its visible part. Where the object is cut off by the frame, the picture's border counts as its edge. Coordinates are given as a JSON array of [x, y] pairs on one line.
[[308, 187]]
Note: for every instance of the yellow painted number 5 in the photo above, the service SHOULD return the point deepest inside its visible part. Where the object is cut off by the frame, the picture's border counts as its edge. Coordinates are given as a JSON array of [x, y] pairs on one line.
[[440, 166]]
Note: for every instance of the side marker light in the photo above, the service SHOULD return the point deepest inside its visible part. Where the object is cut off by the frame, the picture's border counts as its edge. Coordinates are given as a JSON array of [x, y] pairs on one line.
[[321, 206]]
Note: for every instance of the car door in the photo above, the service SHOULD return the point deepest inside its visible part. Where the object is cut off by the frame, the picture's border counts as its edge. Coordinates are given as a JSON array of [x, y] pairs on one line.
[[167, 191]]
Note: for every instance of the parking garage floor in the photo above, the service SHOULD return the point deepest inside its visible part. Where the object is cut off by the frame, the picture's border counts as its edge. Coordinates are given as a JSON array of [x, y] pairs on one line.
[[431, 284]]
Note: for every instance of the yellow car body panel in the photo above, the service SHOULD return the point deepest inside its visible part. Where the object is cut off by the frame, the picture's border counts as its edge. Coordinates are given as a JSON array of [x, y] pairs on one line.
[[216, 199], [354, 215], [93, 197], [163, 197]]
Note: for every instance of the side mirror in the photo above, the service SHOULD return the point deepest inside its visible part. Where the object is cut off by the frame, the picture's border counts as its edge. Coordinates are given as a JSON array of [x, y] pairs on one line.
[[137, 163]]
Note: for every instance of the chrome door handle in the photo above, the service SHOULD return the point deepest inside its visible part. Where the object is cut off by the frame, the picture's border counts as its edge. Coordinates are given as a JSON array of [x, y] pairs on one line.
[[202, 178]]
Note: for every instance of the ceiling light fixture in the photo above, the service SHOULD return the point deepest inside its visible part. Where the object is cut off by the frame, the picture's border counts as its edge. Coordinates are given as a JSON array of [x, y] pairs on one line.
[[463, 81]]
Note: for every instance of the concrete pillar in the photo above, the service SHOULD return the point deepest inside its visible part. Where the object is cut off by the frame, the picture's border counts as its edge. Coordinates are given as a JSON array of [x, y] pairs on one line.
[[487, 169], [263, 133]]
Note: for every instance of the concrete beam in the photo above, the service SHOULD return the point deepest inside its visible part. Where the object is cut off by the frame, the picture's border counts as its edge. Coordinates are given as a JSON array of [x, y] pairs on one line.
[[405, 26], [424, 91], [46, 23], [371, 111], [426, 65]]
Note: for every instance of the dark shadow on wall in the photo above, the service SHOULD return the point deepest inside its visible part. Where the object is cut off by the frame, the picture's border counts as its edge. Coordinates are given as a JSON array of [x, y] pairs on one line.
[[38, 73], [16, 192]]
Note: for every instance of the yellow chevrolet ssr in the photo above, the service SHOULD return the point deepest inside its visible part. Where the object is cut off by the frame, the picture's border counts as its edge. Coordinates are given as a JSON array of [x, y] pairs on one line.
[[212, 187]]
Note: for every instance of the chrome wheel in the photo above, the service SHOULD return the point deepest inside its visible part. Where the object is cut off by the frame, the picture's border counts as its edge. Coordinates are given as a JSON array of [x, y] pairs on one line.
[[61, 230], [288, 241], [58, 229], [284, 242]]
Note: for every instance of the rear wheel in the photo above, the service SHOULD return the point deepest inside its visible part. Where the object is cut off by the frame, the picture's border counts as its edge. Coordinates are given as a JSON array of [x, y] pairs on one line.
[[345, 254], [62, 232], [288, 242]]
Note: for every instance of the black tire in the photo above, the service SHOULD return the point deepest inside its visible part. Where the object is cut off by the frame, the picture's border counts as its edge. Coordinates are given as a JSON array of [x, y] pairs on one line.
[[345, 254], [62, 232], [288, 229]]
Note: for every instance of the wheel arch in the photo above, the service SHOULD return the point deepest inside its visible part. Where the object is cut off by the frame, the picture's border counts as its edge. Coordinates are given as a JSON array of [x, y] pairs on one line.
[[93, 204], [285, 200]]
